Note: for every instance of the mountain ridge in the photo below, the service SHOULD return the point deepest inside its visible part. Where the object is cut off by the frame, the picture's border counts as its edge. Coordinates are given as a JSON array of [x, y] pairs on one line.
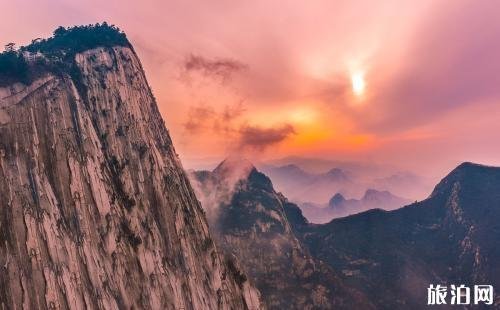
[[391, 257], [338, 206], [254, 223], [98, 211], [449, 238]]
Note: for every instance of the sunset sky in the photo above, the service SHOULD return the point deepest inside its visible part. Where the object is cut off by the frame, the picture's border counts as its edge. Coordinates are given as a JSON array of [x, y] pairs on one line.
[[410, 83]]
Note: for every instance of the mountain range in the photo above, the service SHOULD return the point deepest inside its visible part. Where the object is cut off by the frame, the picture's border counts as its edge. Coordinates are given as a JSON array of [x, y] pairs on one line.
[[362, 174], [452, 237], [339, 206], [303, 186], [302, 182], [389, 258]]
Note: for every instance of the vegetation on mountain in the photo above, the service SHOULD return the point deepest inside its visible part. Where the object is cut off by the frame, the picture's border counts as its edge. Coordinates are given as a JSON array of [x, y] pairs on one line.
[[56, 54], [69, 41], [13, 67]]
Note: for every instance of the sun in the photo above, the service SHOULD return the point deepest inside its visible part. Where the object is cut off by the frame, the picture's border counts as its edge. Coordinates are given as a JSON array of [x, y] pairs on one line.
[[358, 83]]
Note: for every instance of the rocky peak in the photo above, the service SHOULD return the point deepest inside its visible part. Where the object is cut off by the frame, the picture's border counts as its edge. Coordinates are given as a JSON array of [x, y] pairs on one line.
[[255, 225], [336, 200], [336, 174], [234, 163], [234, 169], [96, 209], [449, 237], [469, 175], [292, 169], [374, 195]]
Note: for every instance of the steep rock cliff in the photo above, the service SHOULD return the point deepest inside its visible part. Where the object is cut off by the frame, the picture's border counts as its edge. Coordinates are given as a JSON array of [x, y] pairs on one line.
[[95, 209], [250, 219]]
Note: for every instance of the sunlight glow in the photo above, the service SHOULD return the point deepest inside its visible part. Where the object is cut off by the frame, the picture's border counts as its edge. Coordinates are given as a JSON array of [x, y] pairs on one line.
[[358, 83]]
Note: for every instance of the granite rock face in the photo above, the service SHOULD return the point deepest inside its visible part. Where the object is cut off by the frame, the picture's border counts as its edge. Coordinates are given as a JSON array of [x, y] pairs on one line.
[[251, 220], [95, 208]]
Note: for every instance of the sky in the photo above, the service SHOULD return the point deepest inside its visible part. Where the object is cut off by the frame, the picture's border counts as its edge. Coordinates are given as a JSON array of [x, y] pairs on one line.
[[414, 84]]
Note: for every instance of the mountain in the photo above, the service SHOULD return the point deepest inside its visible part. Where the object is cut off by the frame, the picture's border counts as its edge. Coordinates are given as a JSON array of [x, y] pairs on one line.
[[452, 237], [335, 175], [404, 183], [336, 201], [283, 173], [372, 199], [312, 181], [302, 186], [251, 220], [96, 210], [339, 206], [320, 165]]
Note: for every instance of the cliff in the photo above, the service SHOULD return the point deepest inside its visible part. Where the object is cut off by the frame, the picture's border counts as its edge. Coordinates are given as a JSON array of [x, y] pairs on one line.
[[250, 219], [95, 209]]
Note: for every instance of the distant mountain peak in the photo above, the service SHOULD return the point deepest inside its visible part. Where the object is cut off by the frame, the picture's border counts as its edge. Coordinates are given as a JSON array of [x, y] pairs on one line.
[[336, 174], [470, 167], [235, 161], [373, 193], [234, 167], [335, 171], [467, 174], [290, 166], [467, 168], [469, 164], [336, 199]]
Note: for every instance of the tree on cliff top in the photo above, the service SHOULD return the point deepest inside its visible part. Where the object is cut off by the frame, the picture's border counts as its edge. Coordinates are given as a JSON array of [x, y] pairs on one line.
[[59, 50], [72, 40]]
